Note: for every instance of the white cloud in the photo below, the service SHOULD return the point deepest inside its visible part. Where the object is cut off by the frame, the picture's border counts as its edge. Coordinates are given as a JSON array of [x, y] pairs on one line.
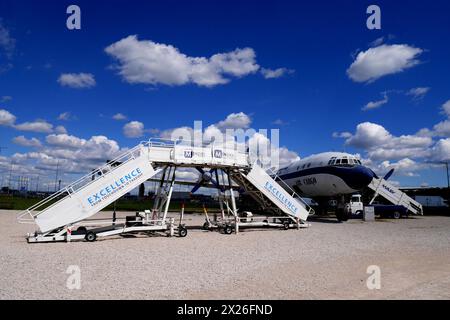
[[275, 73], [148, 62], [77, 80], [345, 135], [383, 60], [377, 42], [418, 93], [119, 117], [65, 141], [22, 141], [405, 167], [446, 108], [235, 121], [376, 104], [133, 129], [6, 118], [66, 116], [60, 129], [441, 150], [35, 126], [381, 144]]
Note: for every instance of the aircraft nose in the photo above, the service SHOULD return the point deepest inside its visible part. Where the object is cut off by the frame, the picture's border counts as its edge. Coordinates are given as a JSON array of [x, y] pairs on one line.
[[362, 177]]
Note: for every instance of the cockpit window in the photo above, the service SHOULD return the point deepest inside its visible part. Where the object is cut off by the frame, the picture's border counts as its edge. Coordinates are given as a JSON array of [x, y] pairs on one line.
[[332, 160]]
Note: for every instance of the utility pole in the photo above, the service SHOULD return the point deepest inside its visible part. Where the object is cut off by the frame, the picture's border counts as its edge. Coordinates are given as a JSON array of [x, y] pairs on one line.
[[37, 182], [10, 173], [448, 176], [56, 178]]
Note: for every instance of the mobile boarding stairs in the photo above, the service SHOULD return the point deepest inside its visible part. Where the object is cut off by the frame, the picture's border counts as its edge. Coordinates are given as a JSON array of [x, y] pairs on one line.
[[63, 215], [383, 188]]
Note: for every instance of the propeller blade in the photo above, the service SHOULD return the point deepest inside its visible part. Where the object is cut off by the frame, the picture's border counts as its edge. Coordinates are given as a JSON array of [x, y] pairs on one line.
[[197, 186], [389, 174], [374, 174]]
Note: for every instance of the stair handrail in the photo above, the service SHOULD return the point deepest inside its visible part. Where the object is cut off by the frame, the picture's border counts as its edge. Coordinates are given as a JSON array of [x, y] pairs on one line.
[[294, 194]]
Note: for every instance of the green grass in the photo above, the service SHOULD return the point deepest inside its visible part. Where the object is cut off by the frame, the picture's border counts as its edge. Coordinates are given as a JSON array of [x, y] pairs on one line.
[[22, 203]]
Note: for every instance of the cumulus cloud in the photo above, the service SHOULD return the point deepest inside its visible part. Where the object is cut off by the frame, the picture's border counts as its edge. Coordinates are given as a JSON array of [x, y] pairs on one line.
[[275, 73], [119, 117], [77, 80], [6, 118], [148, 62], [60, 129], [133, 129], [441, 150], [41, 126], [235, 121], [376, 104], [24, 142], [381, 144], [446, 108], [383, 60]]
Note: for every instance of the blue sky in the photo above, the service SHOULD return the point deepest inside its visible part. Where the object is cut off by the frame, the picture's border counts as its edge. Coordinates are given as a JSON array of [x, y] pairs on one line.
[[313, 97]]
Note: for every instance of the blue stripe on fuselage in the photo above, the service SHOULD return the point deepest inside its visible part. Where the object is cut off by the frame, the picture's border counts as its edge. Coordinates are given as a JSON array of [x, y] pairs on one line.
[[356, 177]]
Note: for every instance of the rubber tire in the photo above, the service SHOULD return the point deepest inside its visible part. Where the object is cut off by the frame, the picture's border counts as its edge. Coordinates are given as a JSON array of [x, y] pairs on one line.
[[397, 215], [82, 229], [286, 225], [205, 226], [342, 216], [228, 230], [90, 236], [182, 232]]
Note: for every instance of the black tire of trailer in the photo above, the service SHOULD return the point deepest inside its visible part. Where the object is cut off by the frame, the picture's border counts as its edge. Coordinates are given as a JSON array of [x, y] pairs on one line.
[[341, 216], [205, 226], [90, 236], [397, 215], [82, 230], [228, 229], [286, 225], [182, 231]]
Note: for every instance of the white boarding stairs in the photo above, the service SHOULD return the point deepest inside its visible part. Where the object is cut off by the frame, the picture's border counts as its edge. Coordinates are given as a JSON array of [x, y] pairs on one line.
[[281, 200], [394, 195], [93, 192]]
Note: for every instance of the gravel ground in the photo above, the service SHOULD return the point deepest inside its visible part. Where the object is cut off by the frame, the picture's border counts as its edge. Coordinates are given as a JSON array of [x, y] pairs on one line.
[[326, 261]]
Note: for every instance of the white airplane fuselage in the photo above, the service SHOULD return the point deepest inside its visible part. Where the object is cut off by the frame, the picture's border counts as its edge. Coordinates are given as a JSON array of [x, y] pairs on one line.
[[328, 174]]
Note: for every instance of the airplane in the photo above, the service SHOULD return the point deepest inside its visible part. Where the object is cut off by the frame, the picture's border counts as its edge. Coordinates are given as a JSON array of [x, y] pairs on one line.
[[327, 176]]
